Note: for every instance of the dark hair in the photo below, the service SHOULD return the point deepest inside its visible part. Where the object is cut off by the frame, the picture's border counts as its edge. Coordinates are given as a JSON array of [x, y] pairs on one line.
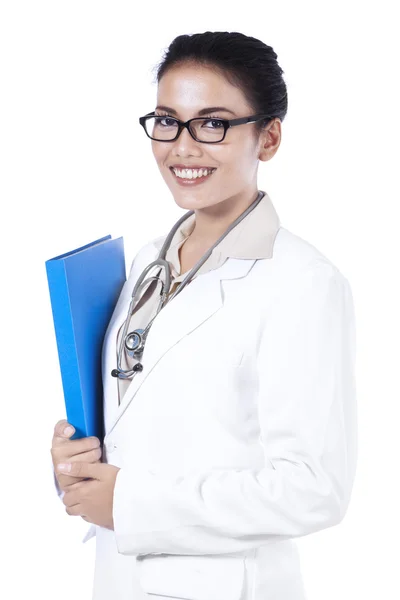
[[245, 61]]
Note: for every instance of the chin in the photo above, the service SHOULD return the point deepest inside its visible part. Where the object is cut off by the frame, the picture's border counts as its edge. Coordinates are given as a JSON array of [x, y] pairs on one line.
[[193, 200], [190, 198]]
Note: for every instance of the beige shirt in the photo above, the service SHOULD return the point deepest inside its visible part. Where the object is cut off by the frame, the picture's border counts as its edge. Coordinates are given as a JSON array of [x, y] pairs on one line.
[[252, 238]]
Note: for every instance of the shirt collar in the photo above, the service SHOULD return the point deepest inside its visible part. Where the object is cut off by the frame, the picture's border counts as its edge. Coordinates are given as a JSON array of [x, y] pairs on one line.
[[252, 238]]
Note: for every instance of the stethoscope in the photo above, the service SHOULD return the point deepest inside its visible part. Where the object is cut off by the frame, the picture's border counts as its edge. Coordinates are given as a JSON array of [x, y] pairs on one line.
[[134, 342]]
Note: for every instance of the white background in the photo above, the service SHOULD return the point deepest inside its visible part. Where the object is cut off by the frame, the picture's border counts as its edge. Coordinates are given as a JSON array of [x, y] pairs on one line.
[[76, 165]]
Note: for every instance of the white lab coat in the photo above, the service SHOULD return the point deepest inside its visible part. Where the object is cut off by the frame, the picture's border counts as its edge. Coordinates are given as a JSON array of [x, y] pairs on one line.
[[238, 436]]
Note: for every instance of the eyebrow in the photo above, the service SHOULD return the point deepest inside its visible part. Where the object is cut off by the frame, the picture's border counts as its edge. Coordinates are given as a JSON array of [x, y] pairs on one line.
[[201, 112]]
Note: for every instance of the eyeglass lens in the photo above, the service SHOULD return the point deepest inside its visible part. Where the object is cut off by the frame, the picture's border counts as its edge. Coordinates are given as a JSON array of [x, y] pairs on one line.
[[166, 128]]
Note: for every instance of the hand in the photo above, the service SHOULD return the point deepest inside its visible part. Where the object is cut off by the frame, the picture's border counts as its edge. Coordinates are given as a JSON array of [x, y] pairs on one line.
[[91, 499], [63, 450]]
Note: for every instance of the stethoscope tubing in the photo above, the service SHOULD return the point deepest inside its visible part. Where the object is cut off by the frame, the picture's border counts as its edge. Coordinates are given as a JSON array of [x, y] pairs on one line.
[[163, 264]]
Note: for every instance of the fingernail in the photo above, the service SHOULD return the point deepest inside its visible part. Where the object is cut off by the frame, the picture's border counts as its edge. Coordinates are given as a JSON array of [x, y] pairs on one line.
[[68, 430], [64, 467]]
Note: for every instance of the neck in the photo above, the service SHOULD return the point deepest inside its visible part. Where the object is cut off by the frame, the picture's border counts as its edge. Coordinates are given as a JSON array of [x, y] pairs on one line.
[[212, 221]]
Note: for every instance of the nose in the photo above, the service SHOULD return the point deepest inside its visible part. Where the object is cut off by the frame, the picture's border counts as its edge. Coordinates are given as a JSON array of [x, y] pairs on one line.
[[185, 142]]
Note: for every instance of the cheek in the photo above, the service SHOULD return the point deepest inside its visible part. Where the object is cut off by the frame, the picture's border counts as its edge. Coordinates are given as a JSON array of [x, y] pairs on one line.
[[238, 168], [159, 152], [236, 158]]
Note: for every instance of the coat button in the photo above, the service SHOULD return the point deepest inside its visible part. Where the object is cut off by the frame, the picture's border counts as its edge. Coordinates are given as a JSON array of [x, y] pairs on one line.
[[110, 446]]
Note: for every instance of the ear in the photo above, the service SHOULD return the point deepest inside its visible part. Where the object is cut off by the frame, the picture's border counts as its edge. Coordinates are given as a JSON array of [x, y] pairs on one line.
[[269, 140]]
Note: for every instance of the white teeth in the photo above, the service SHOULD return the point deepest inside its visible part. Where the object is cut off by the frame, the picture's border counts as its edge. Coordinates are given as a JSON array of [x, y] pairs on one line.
[[192, 173]]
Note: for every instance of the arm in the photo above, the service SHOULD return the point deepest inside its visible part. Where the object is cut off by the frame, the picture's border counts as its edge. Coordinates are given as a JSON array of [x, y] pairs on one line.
[[307, 414]]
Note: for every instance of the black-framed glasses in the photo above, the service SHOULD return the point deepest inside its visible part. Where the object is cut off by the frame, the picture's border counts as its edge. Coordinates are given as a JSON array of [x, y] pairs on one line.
[[206, 130]]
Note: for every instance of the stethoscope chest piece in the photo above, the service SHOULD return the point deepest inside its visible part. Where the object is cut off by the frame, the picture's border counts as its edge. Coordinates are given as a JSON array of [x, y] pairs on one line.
[[134, 342]]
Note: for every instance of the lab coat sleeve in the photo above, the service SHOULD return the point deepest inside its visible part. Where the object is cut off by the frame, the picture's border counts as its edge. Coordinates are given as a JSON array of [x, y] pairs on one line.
[[307, 417]]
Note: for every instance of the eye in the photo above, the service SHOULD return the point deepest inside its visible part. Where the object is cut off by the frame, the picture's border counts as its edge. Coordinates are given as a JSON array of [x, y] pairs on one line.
[[169, 120], [214, 120]]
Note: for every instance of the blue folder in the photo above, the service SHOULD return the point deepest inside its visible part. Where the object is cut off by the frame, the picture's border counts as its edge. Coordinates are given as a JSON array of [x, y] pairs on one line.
[[84, 287]]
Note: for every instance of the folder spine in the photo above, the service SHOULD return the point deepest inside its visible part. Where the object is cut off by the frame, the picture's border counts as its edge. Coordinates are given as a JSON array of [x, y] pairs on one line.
[[66, 343]]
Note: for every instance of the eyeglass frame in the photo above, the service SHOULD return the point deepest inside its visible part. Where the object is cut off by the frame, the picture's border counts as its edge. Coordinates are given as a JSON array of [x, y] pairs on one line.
[[227, 123]]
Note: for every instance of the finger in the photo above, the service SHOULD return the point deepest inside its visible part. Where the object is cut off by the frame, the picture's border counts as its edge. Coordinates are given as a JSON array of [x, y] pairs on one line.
[[90, 456], [82, 445], [85, 518], [76, 485], [93, 456], [62, 432], [73, 493], [66, 483], [62, 452], [81, 469], [74, 511]]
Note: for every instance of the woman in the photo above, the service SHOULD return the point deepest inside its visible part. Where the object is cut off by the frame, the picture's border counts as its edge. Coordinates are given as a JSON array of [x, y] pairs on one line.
[[237, 431]]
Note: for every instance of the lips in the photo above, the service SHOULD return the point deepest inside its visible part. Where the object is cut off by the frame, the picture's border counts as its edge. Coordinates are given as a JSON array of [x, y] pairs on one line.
[[210, 172], [192, 168], [196, 168], [191, 181]]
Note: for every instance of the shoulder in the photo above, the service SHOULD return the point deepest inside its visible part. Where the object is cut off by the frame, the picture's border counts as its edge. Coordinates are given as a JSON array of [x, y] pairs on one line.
[[296, 272], [294, 252], [294, 256]]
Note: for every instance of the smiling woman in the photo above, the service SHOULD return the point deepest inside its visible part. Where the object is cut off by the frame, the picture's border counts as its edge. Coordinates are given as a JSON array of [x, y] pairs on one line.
[[235, 431]]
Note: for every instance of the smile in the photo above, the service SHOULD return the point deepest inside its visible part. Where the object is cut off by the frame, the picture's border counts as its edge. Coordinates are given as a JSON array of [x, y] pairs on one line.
[[191, 176]]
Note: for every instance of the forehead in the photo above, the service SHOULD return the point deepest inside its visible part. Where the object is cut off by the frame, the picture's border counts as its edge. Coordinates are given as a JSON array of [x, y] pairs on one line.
[[191, 87]]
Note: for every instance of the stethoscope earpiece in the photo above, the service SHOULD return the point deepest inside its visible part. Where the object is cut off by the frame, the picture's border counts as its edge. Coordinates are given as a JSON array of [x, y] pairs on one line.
[[137, 368]]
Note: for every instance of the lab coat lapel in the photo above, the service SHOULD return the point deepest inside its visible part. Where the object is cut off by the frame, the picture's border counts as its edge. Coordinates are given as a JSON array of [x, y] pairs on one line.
[[109, 358], [197, 302], [109, 353]]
